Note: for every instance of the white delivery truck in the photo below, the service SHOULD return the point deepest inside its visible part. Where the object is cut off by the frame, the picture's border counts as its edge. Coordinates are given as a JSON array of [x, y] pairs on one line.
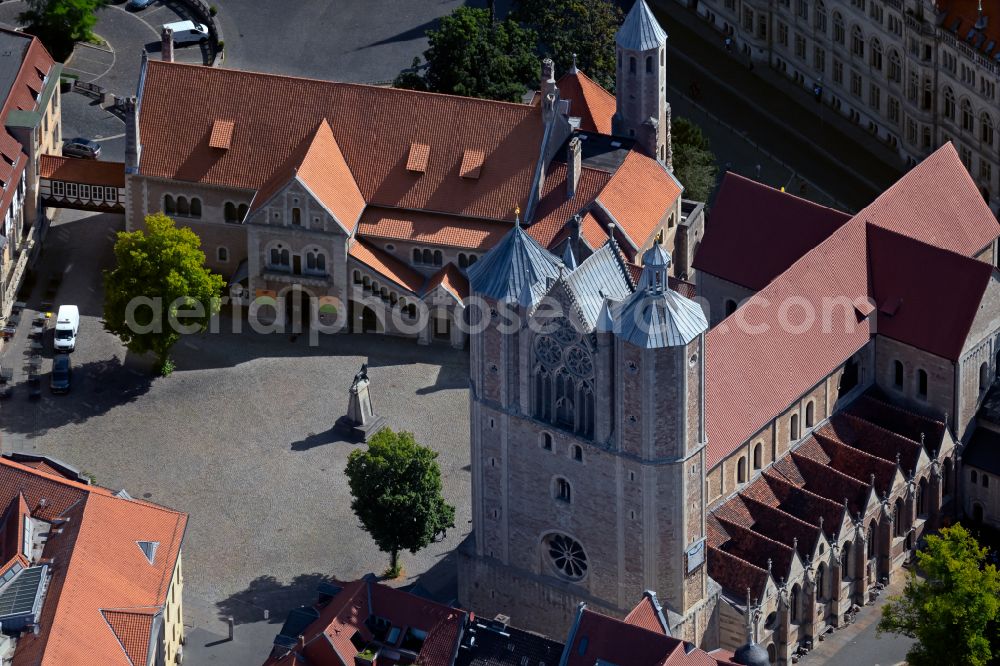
[[186, 32], [67, 326]]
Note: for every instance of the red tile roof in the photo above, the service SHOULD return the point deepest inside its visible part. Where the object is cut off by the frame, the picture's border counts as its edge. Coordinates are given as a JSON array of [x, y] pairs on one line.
[[450, 279], [760, 360], [98, 566], [646, 615], [788, 503], [319, 165], [132, 629], [755, 232], [374, 127], [430, 229], [639, 195], [555, 210], [926, 297], [328, 639], [387, 266], [599, 637], [90, 172], [416, 160], [472, 164], [594, 105]]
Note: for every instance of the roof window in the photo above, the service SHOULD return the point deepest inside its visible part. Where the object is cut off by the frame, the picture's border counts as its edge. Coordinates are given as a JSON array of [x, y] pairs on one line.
[[148, 549]]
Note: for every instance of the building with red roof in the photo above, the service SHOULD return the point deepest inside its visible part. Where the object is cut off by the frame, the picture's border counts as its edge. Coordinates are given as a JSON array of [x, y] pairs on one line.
[[87, 576], [30, 113], [798, 449], [364, 195]]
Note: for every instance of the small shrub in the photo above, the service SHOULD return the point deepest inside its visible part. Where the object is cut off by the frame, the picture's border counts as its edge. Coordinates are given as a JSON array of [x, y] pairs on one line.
[[167, 368], [213, 10], [222, 44]]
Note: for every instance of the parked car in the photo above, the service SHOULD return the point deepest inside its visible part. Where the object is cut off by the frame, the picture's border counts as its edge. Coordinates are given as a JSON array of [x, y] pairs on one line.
[[67, 326], [138, 4], [62, 370], [186, 32], [80, 147]]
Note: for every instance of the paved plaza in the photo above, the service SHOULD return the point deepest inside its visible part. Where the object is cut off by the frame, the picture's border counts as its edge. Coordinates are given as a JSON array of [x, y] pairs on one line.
[[239, 436]]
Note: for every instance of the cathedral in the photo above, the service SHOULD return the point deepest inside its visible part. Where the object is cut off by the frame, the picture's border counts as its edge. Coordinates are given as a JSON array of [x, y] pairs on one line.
[[752, 418], [765, 459]]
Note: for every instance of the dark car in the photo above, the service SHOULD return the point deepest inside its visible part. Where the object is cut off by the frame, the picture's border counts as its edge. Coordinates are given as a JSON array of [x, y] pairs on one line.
[[80, 147], [138, 4], [61, 373]]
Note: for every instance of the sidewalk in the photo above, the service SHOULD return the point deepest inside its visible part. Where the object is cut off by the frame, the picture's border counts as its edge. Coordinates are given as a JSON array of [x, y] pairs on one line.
[[858, 644], [815, 141]]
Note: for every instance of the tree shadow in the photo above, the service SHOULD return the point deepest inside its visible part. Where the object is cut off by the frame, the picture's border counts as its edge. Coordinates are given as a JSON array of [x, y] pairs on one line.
[[449, 377], [96, 388], [268, 593]]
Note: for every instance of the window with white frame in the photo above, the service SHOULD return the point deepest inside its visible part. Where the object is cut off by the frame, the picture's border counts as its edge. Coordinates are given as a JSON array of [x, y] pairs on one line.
[[58, 188]]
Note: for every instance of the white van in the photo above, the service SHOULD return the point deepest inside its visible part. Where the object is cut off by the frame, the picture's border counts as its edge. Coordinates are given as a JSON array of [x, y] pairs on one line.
[[67, 326], [186, 32]]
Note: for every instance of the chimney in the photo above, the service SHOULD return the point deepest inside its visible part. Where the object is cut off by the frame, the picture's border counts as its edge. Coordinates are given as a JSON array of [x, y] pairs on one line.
[[167, 45], [572, 166], [548, 76]]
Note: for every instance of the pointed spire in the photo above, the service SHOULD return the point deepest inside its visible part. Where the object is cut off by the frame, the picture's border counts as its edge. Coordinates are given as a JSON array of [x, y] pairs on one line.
[[517, 216], [569, 260], [573, 69], [640, 30]]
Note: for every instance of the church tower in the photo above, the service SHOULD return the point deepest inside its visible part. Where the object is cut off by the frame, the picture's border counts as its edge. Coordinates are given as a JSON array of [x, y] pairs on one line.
[[588, 441], [642, 111]]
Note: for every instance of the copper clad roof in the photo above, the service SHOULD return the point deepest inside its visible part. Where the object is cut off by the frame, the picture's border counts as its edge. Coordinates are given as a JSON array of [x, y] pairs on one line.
[[640, 31]]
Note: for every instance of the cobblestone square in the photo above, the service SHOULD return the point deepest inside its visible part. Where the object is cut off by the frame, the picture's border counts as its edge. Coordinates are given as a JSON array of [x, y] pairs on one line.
[[239, 436]]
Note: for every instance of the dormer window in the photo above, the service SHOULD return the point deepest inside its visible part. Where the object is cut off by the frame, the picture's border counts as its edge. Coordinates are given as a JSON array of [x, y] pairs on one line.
[[148, 549]]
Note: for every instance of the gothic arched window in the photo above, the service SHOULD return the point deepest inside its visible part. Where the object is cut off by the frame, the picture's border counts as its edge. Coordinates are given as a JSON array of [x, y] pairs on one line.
[[967, 120], [949, 104], [631, 65], [819, 17], [986, 129], [876, 55], [649, 64], [895, 67], [757, 456], [810, 414], [838, 28]]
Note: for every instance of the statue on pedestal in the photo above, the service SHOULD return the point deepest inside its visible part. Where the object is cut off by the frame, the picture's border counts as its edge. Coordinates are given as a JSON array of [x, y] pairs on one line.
[[360, 423]]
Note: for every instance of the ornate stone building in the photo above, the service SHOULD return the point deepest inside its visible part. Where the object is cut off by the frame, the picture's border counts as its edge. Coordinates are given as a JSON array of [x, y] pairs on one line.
[[798, 450], [376, 201], [915, 73]]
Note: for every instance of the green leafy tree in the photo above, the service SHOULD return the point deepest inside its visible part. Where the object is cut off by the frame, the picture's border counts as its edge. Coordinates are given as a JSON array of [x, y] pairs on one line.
[[474, 56], [693, 160], [396, 485], [61, 23], [952, 608], [584, 27], [159, 289]]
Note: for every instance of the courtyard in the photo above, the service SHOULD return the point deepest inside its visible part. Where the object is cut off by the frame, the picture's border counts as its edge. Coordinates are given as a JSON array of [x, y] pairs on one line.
[[240, 437]]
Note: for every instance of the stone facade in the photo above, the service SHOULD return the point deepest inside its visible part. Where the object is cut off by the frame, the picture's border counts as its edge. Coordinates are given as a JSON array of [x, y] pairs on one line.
[[888, 65]]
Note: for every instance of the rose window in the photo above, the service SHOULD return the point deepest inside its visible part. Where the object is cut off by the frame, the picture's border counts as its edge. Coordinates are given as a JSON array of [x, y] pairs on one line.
[[567, 555], [549, 351], [578, 362]]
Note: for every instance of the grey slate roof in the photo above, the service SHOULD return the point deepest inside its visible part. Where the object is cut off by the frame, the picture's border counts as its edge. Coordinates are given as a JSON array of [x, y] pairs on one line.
[[597, 279], [653, 319], [640, 30], [516, 270]]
